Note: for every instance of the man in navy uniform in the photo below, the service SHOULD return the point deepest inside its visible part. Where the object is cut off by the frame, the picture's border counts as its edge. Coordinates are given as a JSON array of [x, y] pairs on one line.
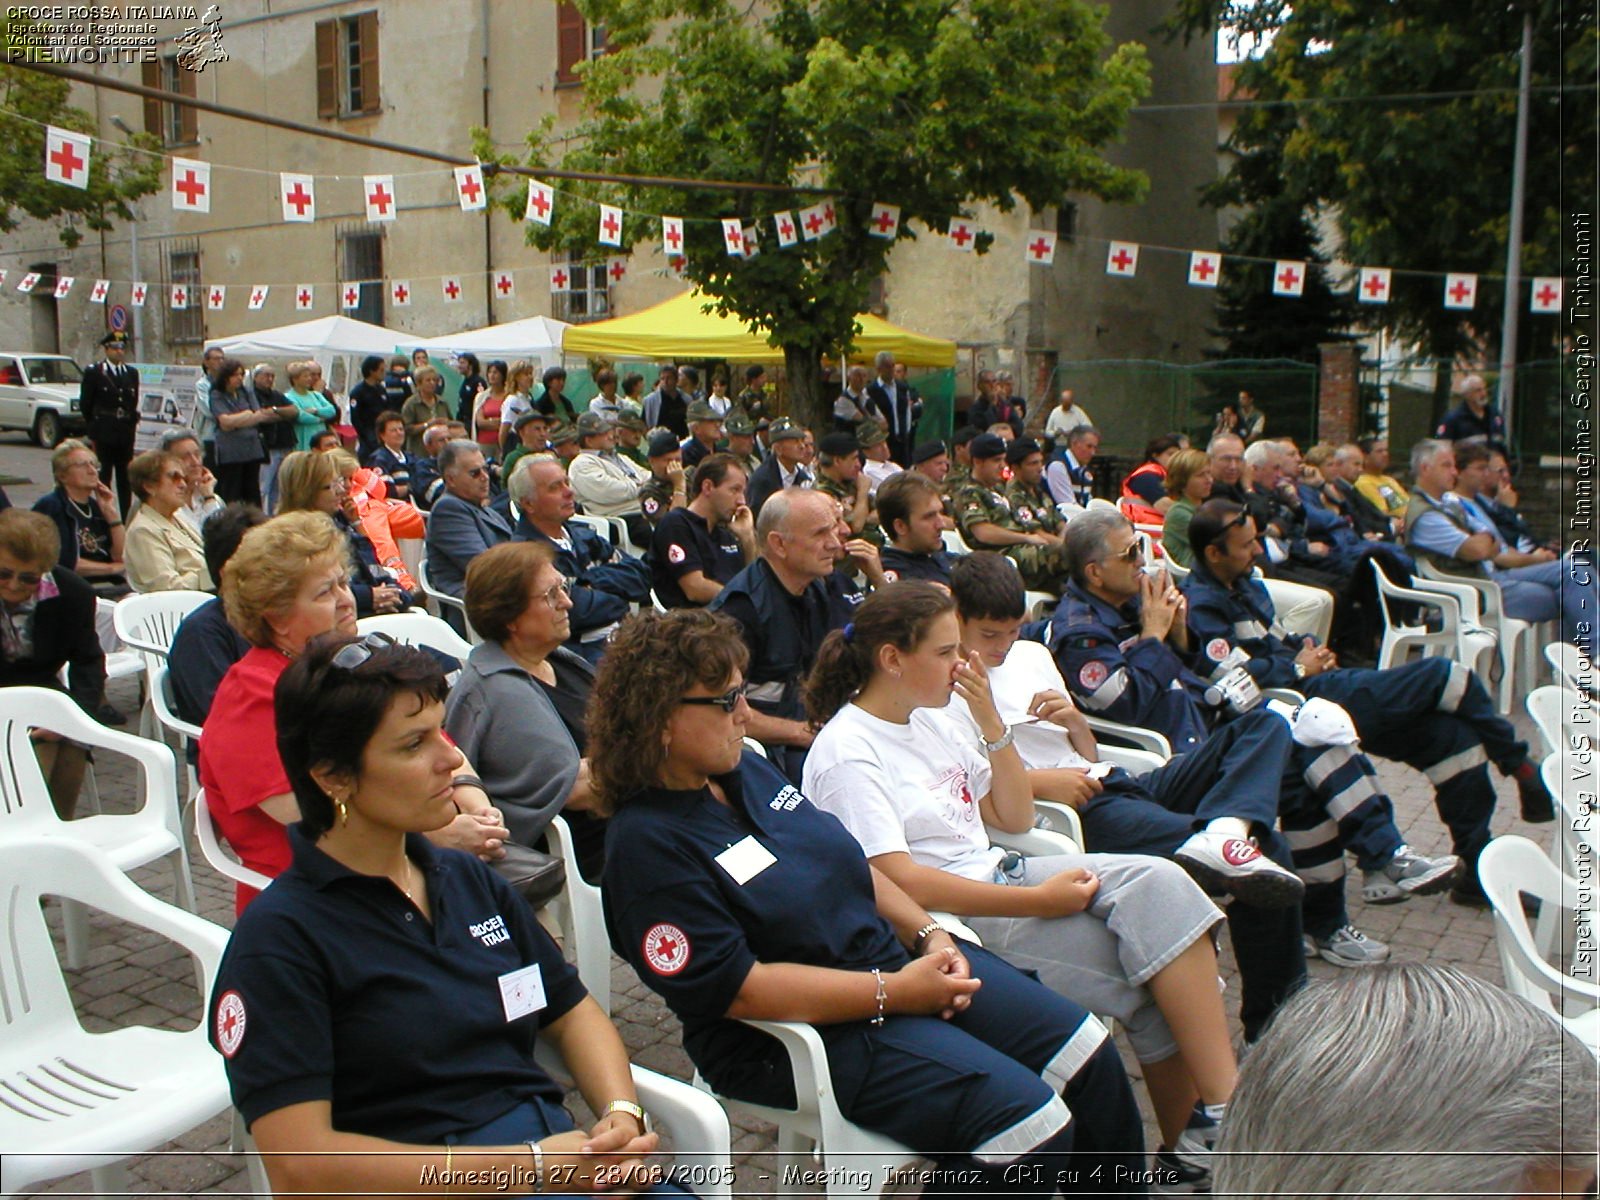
[[109, 401]]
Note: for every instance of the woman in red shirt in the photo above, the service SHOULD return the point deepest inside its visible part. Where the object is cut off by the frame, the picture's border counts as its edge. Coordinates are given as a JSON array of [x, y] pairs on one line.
[[486, 409]]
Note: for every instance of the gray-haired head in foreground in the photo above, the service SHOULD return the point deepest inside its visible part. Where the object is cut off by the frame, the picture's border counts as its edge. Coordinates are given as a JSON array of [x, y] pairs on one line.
[[454, 451], [1424, 451], [1087, 537], [1408, 1080]]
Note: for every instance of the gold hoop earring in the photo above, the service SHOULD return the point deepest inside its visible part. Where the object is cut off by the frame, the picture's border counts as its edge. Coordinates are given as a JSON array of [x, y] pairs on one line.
[[343, 809]]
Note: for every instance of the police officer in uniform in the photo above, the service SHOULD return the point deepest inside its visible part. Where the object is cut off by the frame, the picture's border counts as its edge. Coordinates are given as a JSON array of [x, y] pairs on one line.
[[987, 521], [109, 401], [665, 489]]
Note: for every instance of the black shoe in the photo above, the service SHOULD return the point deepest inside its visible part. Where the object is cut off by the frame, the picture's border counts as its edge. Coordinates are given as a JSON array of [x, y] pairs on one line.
[[110, 714], [1538, 808]]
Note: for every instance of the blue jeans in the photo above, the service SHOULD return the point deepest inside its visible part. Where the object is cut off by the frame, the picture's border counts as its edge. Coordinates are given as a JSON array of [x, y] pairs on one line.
[[1562, 589]]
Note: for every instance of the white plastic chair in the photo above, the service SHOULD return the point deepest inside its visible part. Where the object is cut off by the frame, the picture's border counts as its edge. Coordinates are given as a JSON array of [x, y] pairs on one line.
[[1453, 639], [1147, 740], [953, 542], [582, 919], [75, 1100], [1039, 605], [1511, 865], [443, 600], [1570, 666], [1552, 709], [418, 629], [621, 538], [1574, 841], [168, 721], [197, 815], [147, 622], [599, 524], [1175, 569], [1519, 659]]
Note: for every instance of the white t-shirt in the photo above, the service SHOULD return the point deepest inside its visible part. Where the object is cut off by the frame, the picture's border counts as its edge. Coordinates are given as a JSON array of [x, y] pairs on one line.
[[1029, 669], [905, 788], [1060, 422]]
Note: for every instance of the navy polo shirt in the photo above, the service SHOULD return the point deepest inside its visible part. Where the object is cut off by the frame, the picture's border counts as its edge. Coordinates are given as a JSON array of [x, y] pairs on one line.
[[684, 542], [334, 987], [901, 564], [693, 932]]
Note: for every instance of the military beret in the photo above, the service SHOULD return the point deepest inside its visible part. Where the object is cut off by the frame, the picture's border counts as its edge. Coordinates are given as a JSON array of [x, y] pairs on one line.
[[987, 445]]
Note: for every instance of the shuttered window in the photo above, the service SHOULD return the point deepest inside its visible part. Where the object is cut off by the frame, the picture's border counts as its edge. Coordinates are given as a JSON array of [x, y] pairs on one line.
[[174, 124], [576, 41], [347, 66]]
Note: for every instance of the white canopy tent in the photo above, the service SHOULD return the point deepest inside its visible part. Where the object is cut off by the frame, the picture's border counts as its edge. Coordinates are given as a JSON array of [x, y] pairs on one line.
[[323, 336], [531, 337]]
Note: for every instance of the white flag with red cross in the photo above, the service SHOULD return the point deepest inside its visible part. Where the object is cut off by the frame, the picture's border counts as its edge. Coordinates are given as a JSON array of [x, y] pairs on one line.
[[885, 220], [179, 296], [610, 225], [560, 277], [64, 285], [305, 295], [616, 269], [788, 235], [1545, 294], [216, 296], [541, 202], [258, 297], [672, 236], [1205, 266], [752, 241], [1122, 258], [350, 296], [1288, 278], [28, 282], [1460, 290], [816, 221], [504, 285], [299, 196], [191, 185], [378, 190], [1373, 286], [963, 234], [400, 293], [138, 292], [733, 236], [451, 286], [1040, 248], [97, 294], [469, 188], [66, 157]]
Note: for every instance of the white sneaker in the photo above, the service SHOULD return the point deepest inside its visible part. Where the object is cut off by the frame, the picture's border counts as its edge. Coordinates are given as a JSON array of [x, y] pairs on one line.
[[1408, 874], [1348, 947], [1234, 866]]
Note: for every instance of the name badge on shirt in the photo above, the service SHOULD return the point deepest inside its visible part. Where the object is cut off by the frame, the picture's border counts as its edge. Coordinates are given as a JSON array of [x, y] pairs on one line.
[[745, 859], [522, 991]]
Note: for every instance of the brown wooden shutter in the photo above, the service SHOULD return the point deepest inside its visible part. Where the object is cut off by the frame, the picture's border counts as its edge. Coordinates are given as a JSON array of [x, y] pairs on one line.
[[570, 34], [188, 118], [152, 108], [327, 68], [367, 33]]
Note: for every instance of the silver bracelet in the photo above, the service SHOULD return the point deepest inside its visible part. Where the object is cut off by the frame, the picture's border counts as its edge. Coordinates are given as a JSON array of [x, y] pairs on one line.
[[538, 1165], [883, 995], [923, 934], [1002, 742]]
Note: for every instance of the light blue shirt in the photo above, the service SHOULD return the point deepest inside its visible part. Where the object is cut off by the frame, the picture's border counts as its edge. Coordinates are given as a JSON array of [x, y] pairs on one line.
[[1434, 532]]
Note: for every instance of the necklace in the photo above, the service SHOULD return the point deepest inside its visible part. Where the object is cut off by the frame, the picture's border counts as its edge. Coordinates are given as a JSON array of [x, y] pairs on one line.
[[84, 510], [405, 870]]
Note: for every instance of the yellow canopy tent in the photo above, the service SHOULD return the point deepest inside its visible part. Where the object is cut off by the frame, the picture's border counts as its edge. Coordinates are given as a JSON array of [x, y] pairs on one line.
[[678, 328]]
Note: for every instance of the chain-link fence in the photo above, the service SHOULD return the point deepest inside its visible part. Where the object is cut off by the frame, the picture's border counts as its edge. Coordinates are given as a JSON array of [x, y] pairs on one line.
[[1399, 402]]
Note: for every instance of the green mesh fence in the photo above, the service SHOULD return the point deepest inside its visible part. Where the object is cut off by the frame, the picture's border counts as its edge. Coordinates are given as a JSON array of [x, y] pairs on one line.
[[1398, 401]]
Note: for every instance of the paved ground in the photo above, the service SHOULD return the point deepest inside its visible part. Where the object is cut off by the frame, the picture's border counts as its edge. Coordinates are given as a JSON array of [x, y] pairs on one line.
[[134, 978]]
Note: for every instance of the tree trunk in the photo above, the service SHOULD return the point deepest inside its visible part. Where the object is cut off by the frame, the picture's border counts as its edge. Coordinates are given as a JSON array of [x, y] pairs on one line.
[[807, 404]]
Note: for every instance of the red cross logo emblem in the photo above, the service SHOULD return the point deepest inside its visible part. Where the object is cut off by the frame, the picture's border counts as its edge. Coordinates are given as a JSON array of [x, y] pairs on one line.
[[66, 158], [99, 292], [674, 237], [471, 188], [503, 284], [452, 289], [666, 949], [231, 1023], [401, 293], [298, 198], [1375, 286], [192, 188], [180, 297], [380, 199], [961, 234], [610, 225], [884, 221], [1204, 268], [1122, 260], [258, 298], [1459, 291], [538, 201], [786, 229], [216, 297], [814, 223], [558, 278], [303, 298], [137, 295], [617, 270], [352, 296], [1040, 248], [1289, 279], [1547, 296]]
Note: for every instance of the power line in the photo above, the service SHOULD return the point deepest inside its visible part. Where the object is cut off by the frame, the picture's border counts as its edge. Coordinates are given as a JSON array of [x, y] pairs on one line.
[[1380, 98]]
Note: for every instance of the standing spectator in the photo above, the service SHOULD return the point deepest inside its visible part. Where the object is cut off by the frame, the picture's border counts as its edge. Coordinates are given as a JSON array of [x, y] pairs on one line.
[[554, 402], [667, 405], [719, 400], [425, 408], [46, 624], [371, 397], [892, 399], [239, 419], [633, 392], [204, 426], [87, 520], [519, 400], [487, 407], [108, 398], [1066, 416], [472, 382], [316, 410], [277, 436], [689, 383], [607, 403], [1475, 419], [397, 381], [1252, 421], [754, 397], [163, 553], [850, 408]]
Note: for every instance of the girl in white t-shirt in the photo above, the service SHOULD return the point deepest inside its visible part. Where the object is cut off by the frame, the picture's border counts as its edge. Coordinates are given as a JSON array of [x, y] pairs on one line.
[[1124, 935]]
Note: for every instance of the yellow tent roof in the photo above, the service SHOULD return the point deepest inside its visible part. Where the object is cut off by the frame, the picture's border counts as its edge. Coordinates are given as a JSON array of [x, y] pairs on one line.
[[679, 328]]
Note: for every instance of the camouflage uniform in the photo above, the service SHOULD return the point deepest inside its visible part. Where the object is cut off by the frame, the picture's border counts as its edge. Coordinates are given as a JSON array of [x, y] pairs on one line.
[[1043, 568], [655, 499], [1032, 510], [845, 494]]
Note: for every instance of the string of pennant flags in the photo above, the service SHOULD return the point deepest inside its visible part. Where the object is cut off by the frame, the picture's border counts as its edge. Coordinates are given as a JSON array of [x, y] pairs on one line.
[[68, 153]]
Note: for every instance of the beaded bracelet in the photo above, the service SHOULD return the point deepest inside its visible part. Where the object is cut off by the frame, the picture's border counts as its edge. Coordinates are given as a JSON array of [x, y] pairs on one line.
[[883, 995]]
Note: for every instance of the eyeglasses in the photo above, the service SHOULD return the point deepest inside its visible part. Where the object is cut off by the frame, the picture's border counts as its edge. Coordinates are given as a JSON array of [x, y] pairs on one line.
[[92, 463], [477, 472], [25, 578], [356, 653], [727, 702], [1132, 554], [175, 476], [564, 588], [1237, 522]]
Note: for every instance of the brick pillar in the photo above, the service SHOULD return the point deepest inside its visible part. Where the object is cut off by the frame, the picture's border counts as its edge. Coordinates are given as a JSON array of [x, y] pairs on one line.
[[1338, 408]]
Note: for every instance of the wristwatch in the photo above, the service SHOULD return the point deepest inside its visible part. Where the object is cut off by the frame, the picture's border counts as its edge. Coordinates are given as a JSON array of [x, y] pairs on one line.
[[1299, 670], [1005, 740], [633, 1110]]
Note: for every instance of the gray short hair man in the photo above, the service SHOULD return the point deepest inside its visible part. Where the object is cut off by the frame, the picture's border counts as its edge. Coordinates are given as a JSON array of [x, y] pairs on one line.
[[1425, 451], [1406, 1080], [1087, 539]]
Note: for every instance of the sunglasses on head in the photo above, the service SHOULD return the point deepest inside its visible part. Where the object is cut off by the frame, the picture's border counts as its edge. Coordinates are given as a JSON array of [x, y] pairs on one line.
[[727, 702], [357, 653], [1237, 522]]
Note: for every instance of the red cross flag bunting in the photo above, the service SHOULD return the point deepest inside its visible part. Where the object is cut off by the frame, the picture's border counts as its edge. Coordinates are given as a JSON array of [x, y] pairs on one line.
[[2, 278], [28, 282], [191, 185], [560, 277], [351, 296], [616, 269], [733, 236], [258, 297], [97, 294], [451, 286], [752, 241], [788, 234], [299, 196], [179, 297], [469, 188], [1288, 278], [1373, 287], [541, 202], [138, 292], [305, 295], [811, 222], [1204, 268], [610, 226], [504, 285], [1122, 258], [64, 285], [216, 296], [400, 292], [1460, 291], [1040, 248], [379, 193], [66, 157], [1545, 296], [885, 221], [963, 234], [671, 236]]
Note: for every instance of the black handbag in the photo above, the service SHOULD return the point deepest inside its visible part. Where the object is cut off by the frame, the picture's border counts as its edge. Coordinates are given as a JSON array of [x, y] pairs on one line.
[[538, 877]]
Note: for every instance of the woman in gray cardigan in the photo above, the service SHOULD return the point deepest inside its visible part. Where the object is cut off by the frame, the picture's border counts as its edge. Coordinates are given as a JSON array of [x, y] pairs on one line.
[[517, 710]]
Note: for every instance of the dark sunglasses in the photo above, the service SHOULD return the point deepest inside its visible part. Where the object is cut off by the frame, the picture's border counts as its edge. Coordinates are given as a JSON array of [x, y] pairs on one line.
[[175, 476], [727, 702], [357, 653], [478, 472], [1131, 554], [1238, 522], [25, 578]]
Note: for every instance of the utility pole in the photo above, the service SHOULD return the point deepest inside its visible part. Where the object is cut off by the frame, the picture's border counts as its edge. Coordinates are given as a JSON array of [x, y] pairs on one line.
[[1506, 393]]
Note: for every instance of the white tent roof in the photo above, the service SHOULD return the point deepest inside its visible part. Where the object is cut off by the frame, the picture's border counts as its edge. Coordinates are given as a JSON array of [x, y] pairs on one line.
[[539, 336], [325, 335]]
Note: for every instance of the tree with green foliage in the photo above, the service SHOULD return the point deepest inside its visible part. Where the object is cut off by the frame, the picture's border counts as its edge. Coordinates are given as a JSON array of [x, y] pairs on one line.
[[1416, 183], [897, 103], [29, 101]]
